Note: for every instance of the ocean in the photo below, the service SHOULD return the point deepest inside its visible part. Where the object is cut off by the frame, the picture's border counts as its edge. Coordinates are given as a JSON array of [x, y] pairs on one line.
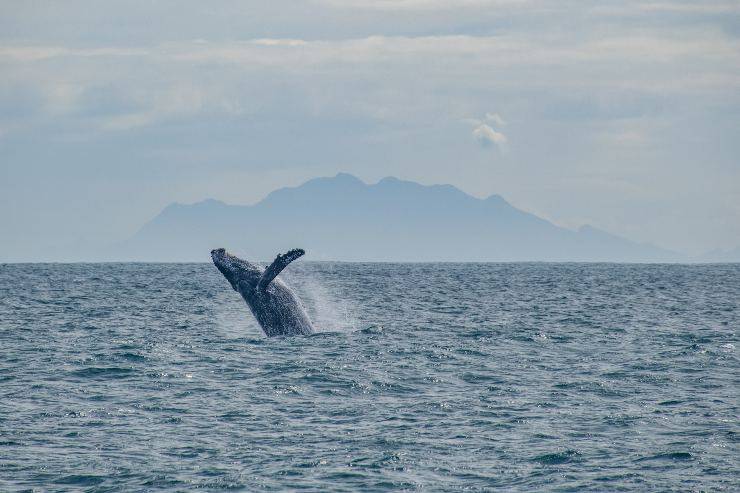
[[440, 377]]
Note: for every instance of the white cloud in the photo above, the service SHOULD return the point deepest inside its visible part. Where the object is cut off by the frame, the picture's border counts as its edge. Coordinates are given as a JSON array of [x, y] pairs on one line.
[[705, 7], [22, 53], [484, 133], [413, 5], [396, 79], [487, 136], [496, 119], [279, 42]]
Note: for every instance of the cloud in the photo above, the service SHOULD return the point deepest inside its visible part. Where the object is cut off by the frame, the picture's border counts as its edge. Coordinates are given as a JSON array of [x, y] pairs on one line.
[[279, 42], [496, 119], [486, 136], [397, 80], [424, 5], [35, 53], [484, 133]]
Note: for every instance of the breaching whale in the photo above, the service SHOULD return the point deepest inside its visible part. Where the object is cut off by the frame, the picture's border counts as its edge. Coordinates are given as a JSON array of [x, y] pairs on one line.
[[273, 303]]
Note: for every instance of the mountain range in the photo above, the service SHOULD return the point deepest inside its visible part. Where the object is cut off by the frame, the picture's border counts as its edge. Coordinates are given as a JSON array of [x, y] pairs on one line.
[[342, 218]]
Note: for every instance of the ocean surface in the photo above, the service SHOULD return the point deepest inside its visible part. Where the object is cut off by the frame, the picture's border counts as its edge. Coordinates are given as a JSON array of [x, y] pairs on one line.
[[441, 377]]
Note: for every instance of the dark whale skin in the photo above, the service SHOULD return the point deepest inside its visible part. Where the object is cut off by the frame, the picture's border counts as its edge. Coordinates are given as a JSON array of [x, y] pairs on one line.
[[275, 306]]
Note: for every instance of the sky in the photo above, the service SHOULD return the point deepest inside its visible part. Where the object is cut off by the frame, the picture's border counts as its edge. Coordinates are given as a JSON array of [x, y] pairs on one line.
[[619, 114]]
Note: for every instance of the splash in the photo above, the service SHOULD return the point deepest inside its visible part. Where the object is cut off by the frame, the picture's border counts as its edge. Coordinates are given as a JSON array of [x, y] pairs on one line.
[[328, 311]]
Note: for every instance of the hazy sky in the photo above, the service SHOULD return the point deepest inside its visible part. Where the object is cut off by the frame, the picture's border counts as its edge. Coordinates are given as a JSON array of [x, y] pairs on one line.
[[624, 115]]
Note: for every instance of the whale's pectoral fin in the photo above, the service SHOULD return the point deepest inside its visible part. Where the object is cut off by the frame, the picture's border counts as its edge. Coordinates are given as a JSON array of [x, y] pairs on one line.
[[275, 268]]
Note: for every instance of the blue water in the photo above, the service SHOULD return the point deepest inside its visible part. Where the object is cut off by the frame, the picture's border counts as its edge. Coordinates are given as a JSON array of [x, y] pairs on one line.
[[522, 377]]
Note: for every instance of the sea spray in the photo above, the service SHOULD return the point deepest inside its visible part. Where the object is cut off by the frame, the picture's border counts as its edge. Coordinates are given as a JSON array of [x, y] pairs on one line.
[[329, 312]]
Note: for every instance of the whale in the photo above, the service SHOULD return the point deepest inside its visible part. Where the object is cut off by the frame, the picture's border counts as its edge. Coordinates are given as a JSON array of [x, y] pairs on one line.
[[275, 306]]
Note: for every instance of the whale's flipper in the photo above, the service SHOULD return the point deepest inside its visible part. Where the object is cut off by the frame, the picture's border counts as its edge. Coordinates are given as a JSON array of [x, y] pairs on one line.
[[275, 268]]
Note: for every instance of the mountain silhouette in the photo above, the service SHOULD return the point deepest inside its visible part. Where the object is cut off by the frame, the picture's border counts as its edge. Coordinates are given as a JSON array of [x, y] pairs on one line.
[[342, 218], [721, 256]]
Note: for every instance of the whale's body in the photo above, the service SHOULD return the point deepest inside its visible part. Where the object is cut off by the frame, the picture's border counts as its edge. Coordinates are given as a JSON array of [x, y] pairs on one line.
[[275, 306]]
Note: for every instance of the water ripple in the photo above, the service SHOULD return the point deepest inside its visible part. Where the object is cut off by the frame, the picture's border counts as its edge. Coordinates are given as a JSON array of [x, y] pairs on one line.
[[517, 377]]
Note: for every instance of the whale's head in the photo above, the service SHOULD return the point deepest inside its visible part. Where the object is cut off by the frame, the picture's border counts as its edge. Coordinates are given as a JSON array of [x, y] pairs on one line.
[[236, 270]]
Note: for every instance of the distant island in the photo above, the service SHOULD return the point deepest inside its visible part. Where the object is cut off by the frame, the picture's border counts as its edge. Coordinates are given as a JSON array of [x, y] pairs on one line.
[[342, 218]]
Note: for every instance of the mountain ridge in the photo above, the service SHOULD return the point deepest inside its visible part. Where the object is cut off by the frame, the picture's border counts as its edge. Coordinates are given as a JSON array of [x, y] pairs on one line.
[[345, 219]]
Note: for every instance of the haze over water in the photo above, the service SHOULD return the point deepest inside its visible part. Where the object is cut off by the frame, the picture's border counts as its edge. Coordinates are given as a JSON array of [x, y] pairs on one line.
[[569, 377]]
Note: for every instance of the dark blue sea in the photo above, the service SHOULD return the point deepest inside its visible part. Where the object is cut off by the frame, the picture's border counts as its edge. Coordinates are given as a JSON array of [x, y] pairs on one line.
[[441, 377]]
